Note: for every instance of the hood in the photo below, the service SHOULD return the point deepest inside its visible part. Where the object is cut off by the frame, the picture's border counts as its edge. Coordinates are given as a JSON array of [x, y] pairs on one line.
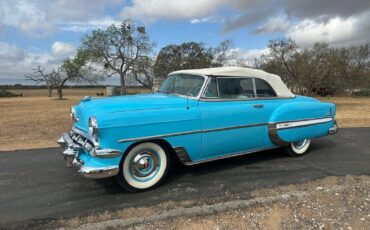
[[104, 106]]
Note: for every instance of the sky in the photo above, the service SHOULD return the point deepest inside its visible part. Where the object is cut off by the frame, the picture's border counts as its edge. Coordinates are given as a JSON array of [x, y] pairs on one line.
[[44, 32]]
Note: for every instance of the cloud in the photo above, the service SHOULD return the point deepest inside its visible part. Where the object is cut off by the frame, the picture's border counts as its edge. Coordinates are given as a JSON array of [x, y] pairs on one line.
[[205, 20], [337, 31], [40, 18], [274, 25], [249, 56], [9, 52], [61, 50], [199, 20], [82, 26], [15, 62], [254, 12], [150, 10]]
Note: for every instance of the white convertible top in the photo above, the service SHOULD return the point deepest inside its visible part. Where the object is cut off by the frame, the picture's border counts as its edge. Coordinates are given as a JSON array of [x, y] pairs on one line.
[[274, 80]]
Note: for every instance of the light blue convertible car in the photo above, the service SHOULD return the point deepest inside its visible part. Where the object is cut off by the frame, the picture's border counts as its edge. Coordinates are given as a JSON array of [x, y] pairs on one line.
[[196, 116]]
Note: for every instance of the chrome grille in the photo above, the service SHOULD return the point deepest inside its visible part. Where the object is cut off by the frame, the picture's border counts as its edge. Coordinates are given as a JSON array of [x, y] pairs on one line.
[[82, 140]]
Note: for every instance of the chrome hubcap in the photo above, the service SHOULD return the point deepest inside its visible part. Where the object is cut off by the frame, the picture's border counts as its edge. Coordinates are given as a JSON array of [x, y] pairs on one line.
[[144, 165], [300, 144]]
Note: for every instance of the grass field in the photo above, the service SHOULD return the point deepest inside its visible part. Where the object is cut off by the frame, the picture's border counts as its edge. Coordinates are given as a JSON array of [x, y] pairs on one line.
[[71, 92], [36, 121]]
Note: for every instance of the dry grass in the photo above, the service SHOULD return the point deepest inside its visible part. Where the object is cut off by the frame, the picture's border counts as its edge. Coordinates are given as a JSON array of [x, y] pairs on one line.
[[71, 92], [351, 112], [35, 121]]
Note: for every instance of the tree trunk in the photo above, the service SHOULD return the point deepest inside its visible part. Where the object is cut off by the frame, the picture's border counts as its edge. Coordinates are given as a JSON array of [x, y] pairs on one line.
[[60, 93], [123, 84], [60, 89], [50, 91]]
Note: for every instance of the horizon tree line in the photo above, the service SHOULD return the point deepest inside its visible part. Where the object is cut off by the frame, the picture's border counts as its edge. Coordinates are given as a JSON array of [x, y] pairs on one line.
[[126, 51]]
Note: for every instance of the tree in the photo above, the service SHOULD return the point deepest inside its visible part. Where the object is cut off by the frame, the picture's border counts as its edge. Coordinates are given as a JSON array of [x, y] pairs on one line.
[[118, 49], [223, 55], [39, 76], [73, 69], [281, 60], [188, 55], [352, 68], [143, 72], [306, 71]]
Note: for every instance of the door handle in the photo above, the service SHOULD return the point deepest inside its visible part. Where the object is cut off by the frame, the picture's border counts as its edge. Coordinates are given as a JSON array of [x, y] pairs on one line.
[[258, 106]]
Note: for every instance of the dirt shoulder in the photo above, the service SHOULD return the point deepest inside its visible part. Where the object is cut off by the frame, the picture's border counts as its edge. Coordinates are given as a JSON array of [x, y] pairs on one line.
[[37, 122], [329, 203]]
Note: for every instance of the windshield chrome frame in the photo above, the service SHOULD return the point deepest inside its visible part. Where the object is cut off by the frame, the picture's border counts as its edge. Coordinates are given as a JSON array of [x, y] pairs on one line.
[[204, 84]]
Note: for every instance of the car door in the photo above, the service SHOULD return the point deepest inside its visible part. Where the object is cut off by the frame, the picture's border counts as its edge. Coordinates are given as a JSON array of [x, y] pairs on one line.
[[233, 121]]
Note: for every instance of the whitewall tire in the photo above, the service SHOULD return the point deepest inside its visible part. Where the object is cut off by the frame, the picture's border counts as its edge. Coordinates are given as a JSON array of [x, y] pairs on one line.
[[298, 148], [144, 167]]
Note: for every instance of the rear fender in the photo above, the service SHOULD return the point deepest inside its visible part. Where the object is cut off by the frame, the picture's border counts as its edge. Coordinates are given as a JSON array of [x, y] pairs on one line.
[[296, 121]]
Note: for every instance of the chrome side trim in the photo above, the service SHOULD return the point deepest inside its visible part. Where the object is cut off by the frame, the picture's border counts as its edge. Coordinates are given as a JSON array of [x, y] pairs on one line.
[[299, 123], [189, 132], [245, 99], [229, 156], [233, 127], [158, 136], [274, 127]]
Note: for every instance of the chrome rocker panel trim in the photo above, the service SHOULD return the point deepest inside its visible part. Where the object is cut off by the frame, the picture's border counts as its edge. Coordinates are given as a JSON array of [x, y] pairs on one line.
[[185, 159]]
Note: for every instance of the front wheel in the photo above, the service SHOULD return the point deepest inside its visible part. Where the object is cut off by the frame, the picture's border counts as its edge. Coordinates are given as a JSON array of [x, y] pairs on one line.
[[144, 167], [298, 148]]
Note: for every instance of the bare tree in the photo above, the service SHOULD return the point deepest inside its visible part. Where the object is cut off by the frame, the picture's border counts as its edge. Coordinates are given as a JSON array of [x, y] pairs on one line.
[[39, 76], [143, 72], [223, 55], [118, 49], [308, 70], [73, 69]]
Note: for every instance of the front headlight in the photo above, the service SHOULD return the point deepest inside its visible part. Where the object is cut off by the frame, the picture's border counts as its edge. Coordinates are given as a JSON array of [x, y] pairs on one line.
[[93, 126]]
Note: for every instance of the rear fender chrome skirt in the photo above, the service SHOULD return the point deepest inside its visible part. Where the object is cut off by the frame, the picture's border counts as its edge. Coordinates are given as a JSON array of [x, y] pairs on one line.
[[276, 126]]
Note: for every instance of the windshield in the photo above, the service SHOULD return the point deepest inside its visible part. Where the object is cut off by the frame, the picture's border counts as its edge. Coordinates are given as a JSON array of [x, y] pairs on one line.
[[182, 84]]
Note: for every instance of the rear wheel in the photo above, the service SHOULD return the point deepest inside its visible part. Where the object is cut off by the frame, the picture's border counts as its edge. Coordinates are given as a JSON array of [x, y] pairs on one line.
[[144, 167], [298, 148]]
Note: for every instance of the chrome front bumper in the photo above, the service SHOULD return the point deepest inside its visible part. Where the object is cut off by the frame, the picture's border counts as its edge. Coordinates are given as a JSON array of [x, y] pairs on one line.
[[74, 143]]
